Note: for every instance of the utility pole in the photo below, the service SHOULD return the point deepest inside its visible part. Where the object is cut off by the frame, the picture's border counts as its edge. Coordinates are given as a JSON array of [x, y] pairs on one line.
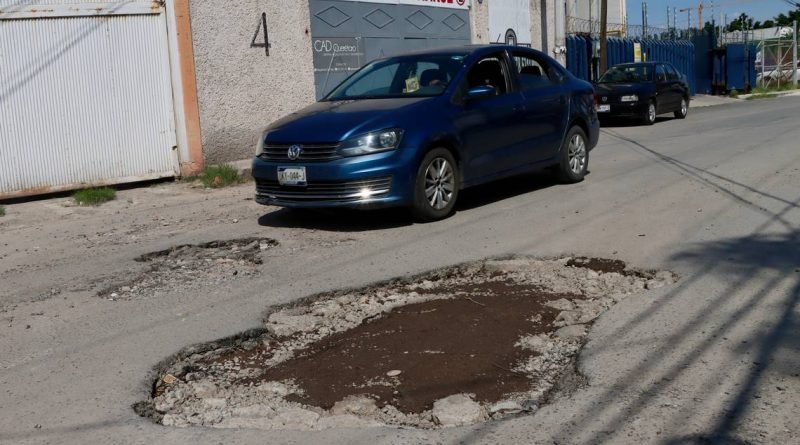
[[644, 19], [674, 22], [688, 12], [794, 53], [669, 22], [603, 35], [700, 23]]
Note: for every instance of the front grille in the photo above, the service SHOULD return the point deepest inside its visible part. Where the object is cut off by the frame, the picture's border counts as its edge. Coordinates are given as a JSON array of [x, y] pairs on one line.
[[325, 191], [310, 152]]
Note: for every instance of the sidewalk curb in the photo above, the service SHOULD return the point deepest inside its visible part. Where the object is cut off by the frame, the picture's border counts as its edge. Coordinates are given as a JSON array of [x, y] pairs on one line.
[[770, 94]]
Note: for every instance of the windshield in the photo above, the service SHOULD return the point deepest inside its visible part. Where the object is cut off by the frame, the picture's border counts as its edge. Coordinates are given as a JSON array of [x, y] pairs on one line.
[[627, 74], [408, 76]]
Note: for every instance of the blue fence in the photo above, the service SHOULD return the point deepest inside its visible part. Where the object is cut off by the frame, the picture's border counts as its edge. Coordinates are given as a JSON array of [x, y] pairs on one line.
[[581, 63]]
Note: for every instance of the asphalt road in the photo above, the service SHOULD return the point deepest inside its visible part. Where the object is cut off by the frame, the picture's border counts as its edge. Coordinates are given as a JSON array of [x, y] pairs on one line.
[[715, 198]]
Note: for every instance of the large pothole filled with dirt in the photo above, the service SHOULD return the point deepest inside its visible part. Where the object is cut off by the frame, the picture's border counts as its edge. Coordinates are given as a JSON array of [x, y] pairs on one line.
[[453, 347], [190, 266]]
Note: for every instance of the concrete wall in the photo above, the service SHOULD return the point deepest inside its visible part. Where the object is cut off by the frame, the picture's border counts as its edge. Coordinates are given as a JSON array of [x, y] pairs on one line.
[[543, 25], [479, 21], [581, 8], [510, 14], [240, 89]]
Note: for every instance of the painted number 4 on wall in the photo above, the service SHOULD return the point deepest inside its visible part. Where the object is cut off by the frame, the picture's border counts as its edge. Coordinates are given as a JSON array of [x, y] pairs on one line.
[[261, 32]]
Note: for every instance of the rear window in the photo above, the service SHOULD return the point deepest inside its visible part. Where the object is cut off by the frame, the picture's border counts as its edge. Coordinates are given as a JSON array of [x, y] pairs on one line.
[[627, 74]]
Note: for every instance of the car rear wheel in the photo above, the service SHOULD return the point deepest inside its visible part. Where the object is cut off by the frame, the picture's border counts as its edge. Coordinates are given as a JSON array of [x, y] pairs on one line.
[[683, 110], [574, 156], [649, 117], [436, 186]]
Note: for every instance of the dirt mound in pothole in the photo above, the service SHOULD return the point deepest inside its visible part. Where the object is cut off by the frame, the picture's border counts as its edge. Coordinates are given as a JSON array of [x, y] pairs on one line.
[[441, 347], [190, 265], [453, 347]]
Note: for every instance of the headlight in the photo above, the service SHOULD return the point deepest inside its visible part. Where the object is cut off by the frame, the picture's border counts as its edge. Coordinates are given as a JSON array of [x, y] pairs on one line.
[[260, 145], [631, 98], [371, 143]]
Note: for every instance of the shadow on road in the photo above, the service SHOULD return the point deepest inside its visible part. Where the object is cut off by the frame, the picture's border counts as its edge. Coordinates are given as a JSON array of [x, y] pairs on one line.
[[354, 220], [762, 274], [620, 122]]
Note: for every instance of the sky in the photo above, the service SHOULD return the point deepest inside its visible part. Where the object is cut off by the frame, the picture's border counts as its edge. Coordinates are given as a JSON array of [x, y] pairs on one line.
[[657, 10]]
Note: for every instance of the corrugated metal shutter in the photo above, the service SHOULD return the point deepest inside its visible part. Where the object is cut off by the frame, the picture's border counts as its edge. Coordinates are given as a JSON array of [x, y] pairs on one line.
[[85, 95]]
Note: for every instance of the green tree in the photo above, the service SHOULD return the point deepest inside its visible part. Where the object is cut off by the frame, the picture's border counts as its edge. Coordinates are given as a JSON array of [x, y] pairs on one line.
[[744, 21]]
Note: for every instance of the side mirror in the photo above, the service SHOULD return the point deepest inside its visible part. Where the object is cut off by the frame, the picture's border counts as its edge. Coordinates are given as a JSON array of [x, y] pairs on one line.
[[481, 92]]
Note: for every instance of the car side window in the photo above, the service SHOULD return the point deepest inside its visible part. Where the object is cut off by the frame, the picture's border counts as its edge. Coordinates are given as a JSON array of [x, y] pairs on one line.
[[661, 74], [489, 71], [672, 73], [533, 72]]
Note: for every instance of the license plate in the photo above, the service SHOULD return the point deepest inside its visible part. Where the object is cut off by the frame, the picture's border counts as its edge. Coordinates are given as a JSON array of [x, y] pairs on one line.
[[292, 175], [603, 108]]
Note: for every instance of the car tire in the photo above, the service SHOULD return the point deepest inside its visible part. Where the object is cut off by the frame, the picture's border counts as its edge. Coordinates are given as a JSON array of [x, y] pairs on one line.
[[436, 186], [681, 112], [574, 156], [649, 117]]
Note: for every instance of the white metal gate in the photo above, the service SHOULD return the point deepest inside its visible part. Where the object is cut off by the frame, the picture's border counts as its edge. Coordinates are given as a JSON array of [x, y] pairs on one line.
[[85, 95]]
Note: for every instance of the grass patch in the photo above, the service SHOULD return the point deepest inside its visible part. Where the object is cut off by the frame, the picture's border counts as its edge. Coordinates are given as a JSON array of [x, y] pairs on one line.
[[217, 176], [2, 211], [94, 196], [734, 94], [761, 89], [760, 96]]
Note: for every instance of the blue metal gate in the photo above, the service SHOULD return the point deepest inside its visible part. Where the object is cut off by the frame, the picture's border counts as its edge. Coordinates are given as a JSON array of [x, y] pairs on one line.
[[679, 53]]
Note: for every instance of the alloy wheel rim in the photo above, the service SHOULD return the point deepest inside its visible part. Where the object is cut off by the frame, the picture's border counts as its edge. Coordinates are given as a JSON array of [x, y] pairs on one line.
[[683, 107], [577, 154], [651, 112], [439, 183]]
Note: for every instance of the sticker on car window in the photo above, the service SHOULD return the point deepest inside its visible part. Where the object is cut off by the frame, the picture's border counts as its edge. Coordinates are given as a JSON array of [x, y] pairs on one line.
[[412, 84]]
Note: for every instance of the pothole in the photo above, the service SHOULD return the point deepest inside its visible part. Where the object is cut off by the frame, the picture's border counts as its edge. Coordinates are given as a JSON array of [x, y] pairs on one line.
[[456, 346], [190, 265]]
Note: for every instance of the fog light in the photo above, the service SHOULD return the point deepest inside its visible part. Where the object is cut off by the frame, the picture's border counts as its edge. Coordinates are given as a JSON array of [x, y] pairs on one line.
[[365, 193]]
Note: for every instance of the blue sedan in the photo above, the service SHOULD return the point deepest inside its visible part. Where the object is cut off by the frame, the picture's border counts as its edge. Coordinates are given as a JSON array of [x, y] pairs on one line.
[[414, 130]]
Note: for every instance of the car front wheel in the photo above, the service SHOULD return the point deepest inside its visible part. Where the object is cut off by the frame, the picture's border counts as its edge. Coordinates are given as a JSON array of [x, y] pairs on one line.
[[683, 110], [436, 186], [574, 161], [649, 117]]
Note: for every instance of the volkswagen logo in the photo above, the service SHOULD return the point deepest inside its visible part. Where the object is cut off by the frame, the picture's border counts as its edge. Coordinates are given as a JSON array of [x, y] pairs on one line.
[[294, 152], [605, 99]]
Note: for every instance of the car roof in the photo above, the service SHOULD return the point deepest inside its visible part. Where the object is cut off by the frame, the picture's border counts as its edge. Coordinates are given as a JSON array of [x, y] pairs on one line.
[[640, 63], [463, 49]]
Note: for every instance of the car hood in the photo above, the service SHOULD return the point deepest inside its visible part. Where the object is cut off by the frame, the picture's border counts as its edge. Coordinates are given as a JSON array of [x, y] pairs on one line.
[[326, 122], [619, 89]]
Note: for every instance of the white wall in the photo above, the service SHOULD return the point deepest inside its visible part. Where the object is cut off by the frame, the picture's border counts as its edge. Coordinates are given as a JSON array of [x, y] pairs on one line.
[[585, 9], [509, 14]]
